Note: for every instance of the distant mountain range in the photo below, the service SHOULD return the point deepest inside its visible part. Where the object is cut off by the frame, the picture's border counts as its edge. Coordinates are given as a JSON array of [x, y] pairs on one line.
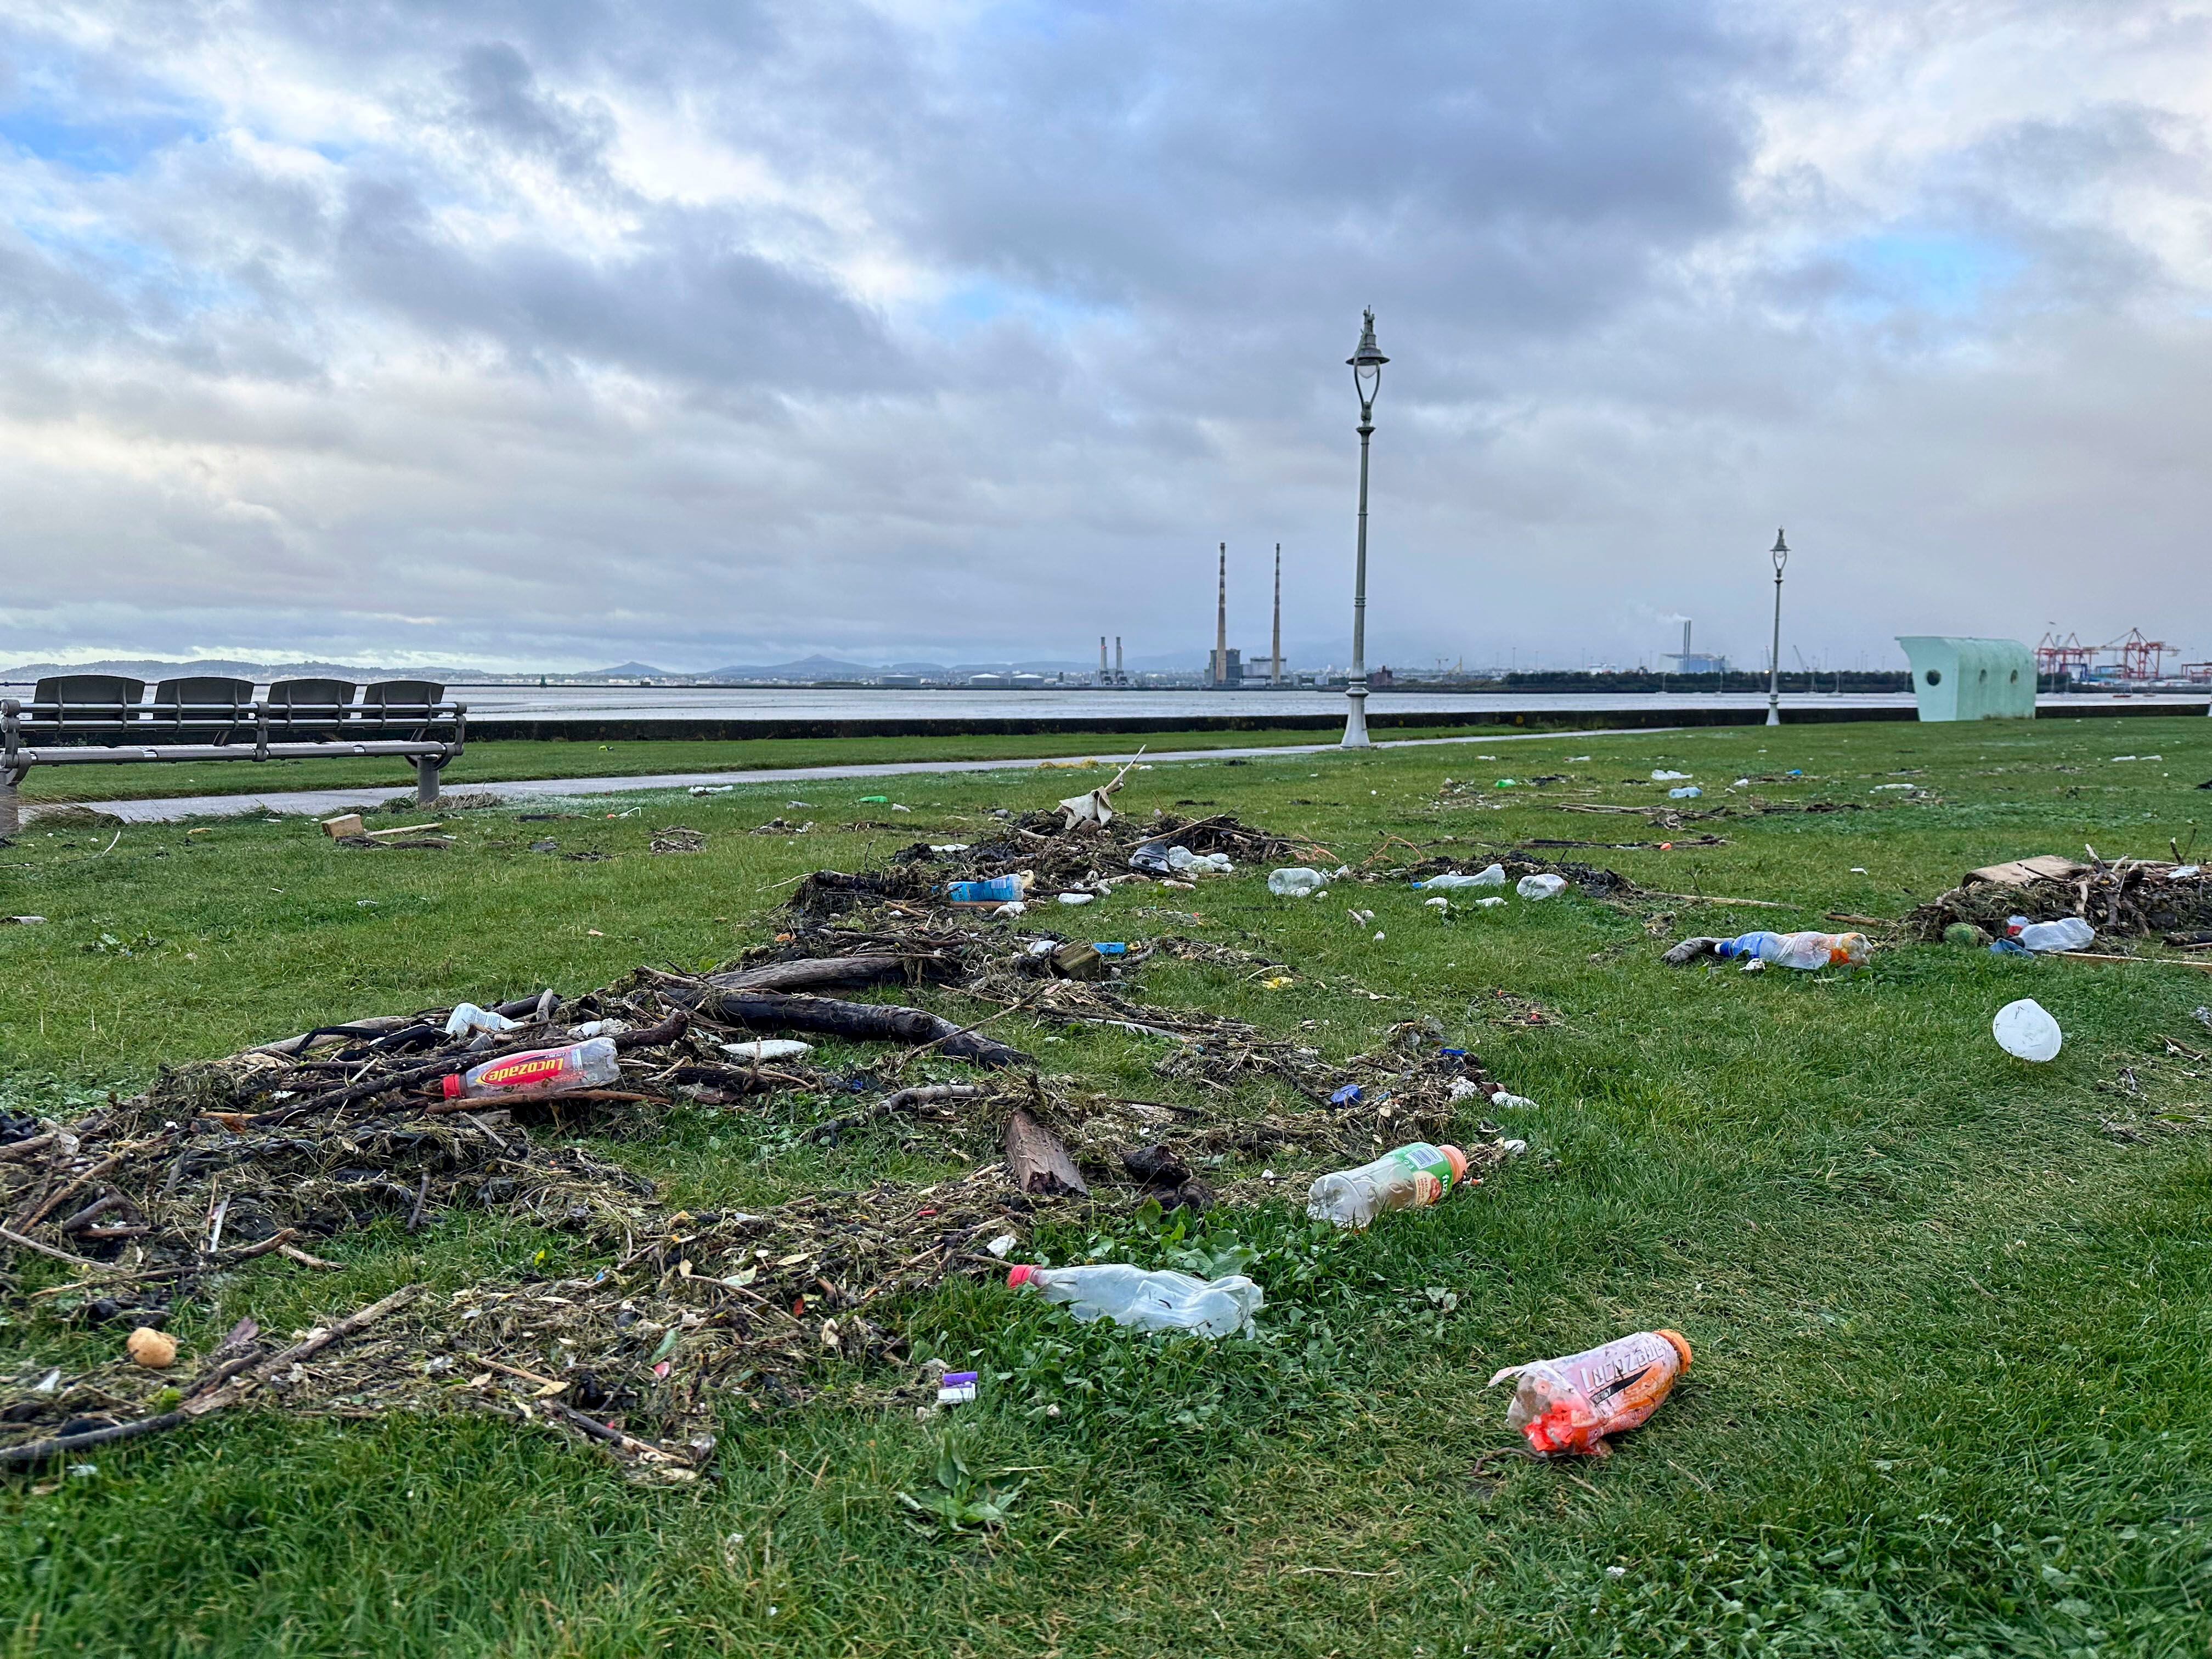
[[151, 669], [807, 669]]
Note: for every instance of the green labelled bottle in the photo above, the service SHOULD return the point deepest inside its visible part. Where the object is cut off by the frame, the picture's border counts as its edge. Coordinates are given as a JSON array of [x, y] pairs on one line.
[[1404, 1178]]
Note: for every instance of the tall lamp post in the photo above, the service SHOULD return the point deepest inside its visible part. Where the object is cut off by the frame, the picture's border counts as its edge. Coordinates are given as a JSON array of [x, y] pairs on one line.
[[1366, 364], [1780, 551]]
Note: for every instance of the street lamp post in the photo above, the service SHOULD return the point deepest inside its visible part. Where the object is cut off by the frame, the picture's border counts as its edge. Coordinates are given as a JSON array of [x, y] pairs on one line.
[[1781, 556], [1366, 364]]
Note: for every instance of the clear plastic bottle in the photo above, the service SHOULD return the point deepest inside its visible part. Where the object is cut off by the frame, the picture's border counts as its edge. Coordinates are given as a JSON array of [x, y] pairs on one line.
[[1404, 1178], [1299, 882], [1798, 950], [1540, 887], [1493, 877], [1158, 1301], [1572, 1405], [2067, 933], [589, 1064]]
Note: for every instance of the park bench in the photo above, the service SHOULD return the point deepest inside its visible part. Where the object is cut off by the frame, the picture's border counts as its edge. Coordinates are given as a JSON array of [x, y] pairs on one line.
[[104, 720]]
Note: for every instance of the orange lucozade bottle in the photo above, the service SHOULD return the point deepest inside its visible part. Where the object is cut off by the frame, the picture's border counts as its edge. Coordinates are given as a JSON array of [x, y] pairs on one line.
[[1572, 1405], [586, 1065]]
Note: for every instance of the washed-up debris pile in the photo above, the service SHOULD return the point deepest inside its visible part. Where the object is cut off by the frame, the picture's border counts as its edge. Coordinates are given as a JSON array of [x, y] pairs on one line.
[[284, 1151], [2137, 898]]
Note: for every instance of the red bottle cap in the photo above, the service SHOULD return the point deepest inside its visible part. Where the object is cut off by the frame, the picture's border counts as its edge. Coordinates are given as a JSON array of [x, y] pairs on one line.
[[1018, 1277], [452, 1085]]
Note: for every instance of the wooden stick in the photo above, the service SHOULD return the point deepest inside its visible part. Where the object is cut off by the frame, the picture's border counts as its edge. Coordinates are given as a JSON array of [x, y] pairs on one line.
[[1703, 898], [9, 1236], [2168, 961], [904, 1100], [47, 1208]]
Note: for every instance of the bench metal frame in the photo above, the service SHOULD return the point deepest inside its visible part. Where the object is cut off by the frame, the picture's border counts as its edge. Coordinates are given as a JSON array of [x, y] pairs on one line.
[[35, 733]]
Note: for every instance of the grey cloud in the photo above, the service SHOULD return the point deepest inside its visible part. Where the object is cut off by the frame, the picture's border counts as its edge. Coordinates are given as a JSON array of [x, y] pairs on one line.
[[292, 405]]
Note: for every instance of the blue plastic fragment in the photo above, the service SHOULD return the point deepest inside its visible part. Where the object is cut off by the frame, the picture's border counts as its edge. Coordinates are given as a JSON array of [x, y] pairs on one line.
[[1453, 1053], [1111, 949], [1345, 1096], [2009, 947]]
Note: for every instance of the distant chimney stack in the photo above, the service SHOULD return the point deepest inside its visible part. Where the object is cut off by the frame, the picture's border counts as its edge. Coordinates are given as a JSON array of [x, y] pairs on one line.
[[1117, 657], [1275, 649], [1219, 676], [1101, 659]]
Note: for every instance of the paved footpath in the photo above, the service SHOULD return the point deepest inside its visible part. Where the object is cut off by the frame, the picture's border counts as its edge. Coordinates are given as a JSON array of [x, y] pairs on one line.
[[324, 802]]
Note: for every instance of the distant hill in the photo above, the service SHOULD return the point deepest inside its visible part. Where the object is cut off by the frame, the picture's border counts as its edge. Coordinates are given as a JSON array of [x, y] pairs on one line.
[[808, 668], [629, 670], [151, 669]]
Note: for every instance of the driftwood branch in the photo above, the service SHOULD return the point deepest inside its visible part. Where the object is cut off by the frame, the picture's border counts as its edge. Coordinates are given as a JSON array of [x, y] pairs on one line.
[[1037, 1162], [861, 1021], [813, 973]]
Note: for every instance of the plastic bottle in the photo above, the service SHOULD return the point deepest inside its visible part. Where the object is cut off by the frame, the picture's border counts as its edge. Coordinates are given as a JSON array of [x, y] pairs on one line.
[[1540, 887], [1161, 1300], [998, 889], [469, 1017], [1572, 1405], [2067, 933], [1493, 877], [2026, 1031], [1404, 1178], [586, 1065], [1687, 792], [1300, 882], [1183, 859], [1798, 950]]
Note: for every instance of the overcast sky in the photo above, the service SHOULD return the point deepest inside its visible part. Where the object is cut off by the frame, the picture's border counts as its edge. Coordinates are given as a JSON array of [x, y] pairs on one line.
[[552, 333]]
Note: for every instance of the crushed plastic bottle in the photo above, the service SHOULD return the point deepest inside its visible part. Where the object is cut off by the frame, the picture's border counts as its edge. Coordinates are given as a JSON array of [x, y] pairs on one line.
[[1300, 882], [1160, 1301], [1572, 1404], [998, 889], [1687, 792], [1182, 860], [1493, 877], [1665, 776], [2026, 1031], [469, 1017], [1798, 950], [586, 1065], [1404, 1178], [1540, 887], [2067, 933]]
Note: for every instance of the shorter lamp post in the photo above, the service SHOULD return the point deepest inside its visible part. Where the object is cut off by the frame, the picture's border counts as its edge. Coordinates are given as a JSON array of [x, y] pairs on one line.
[[1781, 555]]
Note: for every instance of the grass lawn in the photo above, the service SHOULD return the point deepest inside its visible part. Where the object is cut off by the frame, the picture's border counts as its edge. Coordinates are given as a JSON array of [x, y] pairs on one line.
[[1950, 1311], [506, 762]]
